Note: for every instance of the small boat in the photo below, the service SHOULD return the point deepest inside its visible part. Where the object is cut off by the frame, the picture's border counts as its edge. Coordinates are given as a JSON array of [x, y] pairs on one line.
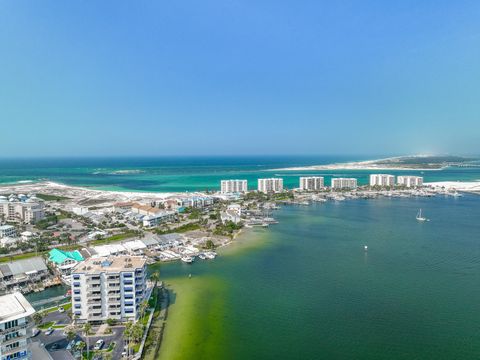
[[365, 248], [420, 217], [211, 255], [187, 259], [202, 256]]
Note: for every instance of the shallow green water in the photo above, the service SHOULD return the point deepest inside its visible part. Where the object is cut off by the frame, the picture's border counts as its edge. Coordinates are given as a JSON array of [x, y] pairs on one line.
[[306, 289]]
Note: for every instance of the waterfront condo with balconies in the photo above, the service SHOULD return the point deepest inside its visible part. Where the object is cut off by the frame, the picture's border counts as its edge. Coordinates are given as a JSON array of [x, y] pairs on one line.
[[15, 313], [108, 288]]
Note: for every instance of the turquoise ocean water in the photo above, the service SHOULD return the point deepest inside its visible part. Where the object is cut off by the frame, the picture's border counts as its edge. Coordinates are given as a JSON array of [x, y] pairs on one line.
[[187, 173]]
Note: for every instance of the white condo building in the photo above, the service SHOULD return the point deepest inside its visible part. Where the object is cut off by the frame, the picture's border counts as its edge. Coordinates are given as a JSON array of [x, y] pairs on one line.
[[410, 181], [270, 185], [15, 312], [108, 288], [382, 180], [233, 186], [21, 209], [311, 183], [344, 183]]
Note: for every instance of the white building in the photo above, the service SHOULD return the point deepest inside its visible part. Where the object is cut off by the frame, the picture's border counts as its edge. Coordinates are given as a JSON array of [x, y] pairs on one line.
[[233, 213], [344, 183], [7, 231], [311, 183], [21, 209], [410, 181], [108, 288], [15, 313], [382, 180], [233, 186], [270, 185]]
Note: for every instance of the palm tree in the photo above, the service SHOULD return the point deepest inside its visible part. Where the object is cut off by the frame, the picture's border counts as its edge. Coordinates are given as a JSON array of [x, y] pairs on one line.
[[155, 277], [143, 307], [71, 335], [86, 330], [127, 333]]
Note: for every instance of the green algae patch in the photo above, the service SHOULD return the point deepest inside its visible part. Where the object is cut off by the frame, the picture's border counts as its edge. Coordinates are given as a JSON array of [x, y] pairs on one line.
[[196, 319]]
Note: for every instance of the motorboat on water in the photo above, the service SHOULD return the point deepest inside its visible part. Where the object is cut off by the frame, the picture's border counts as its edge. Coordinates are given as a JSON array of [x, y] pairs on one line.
[[210, 255], [202, 256], [187, 259]]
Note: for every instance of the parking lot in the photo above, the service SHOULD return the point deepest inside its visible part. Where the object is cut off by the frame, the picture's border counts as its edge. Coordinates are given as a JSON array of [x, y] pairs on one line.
[[56, 343]]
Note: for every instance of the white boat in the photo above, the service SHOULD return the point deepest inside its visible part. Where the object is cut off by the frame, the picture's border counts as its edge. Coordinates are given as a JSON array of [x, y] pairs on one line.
[[365, 248], [420, 217], [210, 255], [202, 256], [187, 259]]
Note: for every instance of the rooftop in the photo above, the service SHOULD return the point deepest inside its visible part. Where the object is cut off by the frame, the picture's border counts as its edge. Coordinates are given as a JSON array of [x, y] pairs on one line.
[[59, 256], [110, 264], [14, 306]]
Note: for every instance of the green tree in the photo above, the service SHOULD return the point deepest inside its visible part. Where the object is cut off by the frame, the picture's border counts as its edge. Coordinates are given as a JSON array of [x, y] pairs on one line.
[[38, 317]]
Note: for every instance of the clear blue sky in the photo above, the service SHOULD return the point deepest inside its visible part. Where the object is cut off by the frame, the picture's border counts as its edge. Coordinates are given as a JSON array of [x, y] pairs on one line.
[[239, 77]]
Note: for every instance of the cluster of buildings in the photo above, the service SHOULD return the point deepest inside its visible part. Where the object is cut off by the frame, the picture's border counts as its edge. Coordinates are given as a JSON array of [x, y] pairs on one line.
[[21, 208], [317, 183]]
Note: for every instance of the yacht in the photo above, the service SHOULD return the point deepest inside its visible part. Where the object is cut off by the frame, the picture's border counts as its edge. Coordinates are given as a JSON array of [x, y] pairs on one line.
[[187, 259], [210, 255], [420, 217], [202, 256]]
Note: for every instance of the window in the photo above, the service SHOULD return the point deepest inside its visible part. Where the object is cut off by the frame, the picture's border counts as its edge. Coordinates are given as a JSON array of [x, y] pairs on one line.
[[78, 299], [76, 277], [78, 306], [76, 292], [76, 284]]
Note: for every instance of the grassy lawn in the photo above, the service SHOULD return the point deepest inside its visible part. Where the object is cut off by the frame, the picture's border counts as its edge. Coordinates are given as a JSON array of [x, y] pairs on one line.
[[180, 229], [46, 325], [114, 238]]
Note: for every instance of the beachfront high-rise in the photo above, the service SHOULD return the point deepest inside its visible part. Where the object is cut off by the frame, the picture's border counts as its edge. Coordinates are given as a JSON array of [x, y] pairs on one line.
[[270, 185], [233, 186], [344, 183], [382, 180], [108, 288], [410, 181], [15, 312], [311, 183]]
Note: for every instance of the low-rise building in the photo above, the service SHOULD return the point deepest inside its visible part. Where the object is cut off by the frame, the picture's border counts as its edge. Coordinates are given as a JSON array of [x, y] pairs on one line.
[[311, 183], [159, 217], [233, 186], [22, 273], [15, 330], [64, 261], [7, 231], [233, 213], [410, 181], [344, 183], [272, 185], [382, 180], [108, 288]]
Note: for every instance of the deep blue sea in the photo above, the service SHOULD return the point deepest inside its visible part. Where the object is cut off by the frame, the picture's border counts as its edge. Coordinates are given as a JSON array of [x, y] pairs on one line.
[[168, 174]]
